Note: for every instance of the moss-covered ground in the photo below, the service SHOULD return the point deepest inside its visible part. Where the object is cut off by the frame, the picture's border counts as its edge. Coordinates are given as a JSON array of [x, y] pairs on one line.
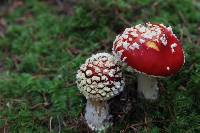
[[43, 43]]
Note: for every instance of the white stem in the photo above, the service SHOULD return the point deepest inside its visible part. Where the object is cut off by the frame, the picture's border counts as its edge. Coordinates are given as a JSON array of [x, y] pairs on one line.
[[97, 115], [147, 87]]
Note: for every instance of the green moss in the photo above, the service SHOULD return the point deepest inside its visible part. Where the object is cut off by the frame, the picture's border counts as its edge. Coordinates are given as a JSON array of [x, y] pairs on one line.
[[40, 55]]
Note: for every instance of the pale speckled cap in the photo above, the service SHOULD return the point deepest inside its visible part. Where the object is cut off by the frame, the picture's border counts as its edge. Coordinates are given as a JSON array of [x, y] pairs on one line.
[[100, 77]]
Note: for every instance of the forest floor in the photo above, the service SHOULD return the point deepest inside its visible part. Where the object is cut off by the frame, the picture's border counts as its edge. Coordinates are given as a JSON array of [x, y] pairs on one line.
[[44, 42]]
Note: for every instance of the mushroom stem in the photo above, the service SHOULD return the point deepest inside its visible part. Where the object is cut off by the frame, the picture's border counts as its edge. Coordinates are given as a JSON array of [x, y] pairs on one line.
[[97, 115], [147, 87]]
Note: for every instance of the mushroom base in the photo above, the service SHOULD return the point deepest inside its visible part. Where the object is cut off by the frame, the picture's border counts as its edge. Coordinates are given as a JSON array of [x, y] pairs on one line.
[[97, 115], [147, 87]]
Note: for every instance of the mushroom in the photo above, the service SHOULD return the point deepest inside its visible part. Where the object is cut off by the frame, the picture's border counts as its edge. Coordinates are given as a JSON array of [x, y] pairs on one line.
[[153, 51], [99, 79]]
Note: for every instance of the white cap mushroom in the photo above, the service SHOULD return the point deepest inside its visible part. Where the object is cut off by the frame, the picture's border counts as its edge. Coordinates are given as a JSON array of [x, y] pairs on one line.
[[99, 79]]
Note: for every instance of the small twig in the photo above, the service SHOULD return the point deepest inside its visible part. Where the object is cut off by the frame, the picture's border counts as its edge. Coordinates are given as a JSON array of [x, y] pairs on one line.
[[5, 127], [36, 106], [45, 103], [124, 130], [50, 127], [155, 4], [64, 124], [69, 52], [145, 122], [134, 126], [59, 126]]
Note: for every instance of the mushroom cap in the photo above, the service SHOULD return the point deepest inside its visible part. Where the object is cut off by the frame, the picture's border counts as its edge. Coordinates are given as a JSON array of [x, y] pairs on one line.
[[100, 77], [151, 49]]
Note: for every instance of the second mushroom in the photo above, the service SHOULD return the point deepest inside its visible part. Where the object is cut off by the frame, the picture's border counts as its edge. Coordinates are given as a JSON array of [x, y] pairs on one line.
[[152, 50], [99, 79]]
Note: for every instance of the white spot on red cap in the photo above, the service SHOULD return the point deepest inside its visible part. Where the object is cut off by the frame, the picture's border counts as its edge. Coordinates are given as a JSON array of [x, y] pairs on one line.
[[130, 39], [95, 62], [88, 72], [104, 77], [125, 36], [138, 26], [134, 46], [96, 78], [100, 85], [127, 30], [142, 29], [163, 40], [124, 59], [105, 71], [168, 68], [83, 67], [125, 45], [88, 89], [173, 46], [134, 34], [106, 89], [119, 44], [89, 81], [97, 69], [104, 59], [169, 28], [142, 40]]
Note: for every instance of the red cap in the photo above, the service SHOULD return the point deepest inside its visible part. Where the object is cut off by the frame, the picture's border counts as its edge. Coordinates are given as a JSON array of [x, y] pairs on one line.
[[152, 49]]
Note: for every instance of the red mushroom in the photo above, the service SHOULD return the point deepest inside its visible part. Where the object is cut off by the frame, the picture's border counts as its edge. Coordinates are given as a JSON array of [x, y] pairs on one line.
[[99, 79], [152, 50]]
